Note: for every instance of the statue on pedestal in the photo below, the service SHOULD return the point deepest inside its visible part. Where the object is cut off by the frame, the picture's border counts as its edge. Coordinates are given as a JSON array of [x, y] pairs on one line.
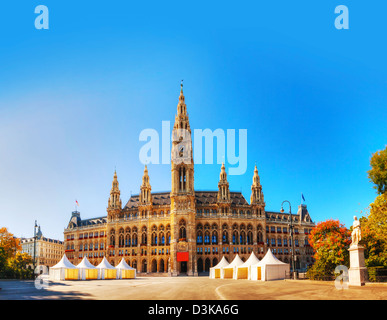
[[356, 232], [357, 272]]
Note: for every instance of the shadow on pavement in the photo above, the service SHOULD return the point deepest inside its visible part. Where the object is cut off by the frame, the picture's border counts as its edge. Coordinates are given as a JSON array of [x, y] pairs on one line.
[[26, 290]]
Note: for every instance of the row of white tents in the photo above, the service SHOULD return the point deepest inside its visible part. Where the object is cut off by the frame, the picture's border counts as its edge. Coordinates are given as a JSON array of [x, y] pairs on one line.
[[65, 270], [269, 268]]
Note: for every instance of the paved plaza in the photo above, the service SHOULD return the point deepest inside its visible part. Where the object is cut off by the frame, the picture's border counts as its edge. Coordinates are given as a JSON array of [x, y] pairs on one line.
[[189, 288]]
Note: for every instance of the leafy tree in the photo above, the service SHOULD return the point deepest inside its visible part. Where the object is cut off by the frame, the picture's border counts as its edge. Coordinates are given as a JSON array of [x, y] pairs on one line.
[[13, 263], [374, 233], [378, 216], [18, 264], [9, 243], [378, 172], [329, 240], [3, 262]]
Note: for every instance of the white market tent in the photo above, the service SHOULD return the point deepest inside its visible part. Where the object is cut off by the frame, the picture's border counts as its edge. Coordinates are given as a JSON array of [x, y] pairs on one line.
[[63, 270], [86, 270], [215, 271], [106, 270], [243, 271], [125, 271], [269, 268], [229, 272]]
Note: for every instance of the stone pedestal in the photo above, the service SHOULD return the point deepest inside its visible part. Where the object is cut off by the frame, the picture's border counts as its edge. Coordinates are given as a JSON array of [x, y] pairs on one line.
[[357, 270]]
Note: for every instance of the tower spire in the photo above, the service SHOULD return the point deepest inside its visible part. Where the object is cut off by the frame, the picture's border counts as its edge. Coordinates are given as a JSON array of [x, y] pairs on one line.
[[145, 194], [256, 188], [223, 185], [182, 191], [114, 202]]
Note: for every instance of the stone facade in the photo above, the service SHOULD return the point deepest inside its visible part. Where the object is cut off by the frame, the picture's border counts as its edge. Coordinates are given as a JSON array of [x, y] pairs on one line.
[[186, 231]]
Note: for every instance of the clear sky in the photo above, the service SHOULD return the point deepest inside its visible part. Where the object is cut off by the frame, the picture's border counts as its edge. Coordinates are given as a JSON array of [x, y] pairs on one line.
[[74, 99]]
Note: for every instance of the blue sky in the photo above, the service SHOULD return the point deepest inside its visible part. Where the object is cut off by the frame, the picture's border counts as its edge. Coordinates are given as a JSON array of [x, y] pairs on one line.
[[74, 99]]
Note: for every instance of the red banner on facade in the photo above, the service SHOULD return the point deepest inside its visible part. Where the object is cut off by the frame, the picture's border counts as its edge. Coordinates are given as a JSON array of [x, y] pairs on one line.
[[182, 256]]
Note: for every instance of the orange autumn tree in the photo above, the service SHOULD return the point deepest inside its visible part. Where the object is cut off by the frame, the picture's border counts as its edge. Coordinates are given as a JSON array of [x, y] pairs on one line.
[[9, 243], [330, 240]]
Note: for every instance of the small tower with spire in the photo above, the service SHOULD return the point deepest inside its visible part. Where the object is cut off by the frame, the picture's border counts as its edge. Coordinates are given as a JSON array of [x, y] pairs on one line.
[[145, 194], [223, 186], [145, 197], [257, 198], [114, 203]]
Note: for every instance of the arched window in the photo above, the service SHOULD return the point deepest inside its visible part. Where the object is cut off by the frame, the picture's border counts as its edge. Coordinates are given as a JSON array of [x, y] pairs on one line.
[[235, 237], [154, 239], [199, 237], [214, 239], [127, 240], [121, 240], [144, 239], [242, 237], [225, 237], [249, 237], [207, 237], [112, 237], [182, 230], [168, 238]]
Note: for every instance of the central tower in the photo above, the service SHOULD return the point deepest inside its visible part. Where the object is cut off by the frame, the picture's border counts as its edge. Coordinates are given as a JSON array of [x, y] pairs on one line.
[[183, 242]]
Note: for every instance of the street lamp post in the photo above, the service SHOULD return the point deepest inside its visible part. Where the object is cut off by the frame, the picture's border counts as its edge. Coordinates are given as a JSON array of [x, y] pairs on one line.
[[291, 234], [34, 260]]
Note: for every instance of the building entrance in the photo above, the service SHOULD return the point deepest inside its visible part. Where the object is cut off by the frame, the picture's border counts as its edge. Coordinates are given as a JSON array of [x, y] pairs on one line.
[[183, 267]]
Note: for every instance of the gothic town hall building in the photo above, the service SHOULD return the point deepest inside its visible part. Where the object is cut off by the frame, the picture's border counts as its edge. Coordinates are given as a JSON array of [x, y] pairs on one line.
[[186, 231]]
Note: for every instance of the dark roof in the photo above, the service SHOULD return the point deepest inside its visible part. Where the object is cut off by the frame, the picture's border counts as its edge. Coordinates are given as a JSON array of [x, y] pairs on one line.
[[89, 222], [158, 199], [201, 197]]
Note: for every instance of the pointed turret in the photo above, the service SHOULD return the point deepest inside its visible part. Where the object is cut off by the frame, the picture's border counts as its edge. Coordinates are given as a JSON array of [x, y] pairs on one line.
[[256, 189], [114, 203], [223, 186], [145, 194], [181, 118]]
